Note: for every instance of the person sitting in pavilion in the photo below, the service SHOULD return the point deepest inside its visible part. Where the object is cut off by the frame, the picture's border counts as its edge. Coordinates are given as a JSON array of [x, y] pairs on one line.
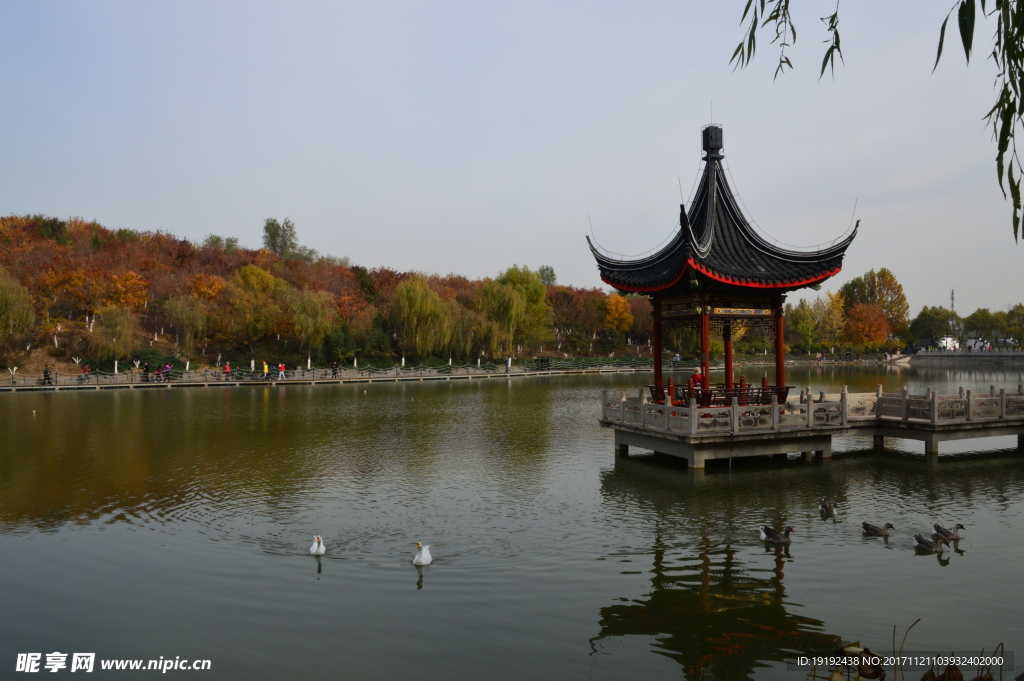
[[697, 378]]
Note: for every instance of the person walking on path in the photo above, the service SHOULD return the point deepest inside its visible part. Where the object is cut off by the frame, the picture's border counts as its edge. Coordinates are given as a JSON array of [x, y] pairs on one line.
[[280, 372], [47, 380], [227, 370], [145, 372], [266, 371], [334, 370]]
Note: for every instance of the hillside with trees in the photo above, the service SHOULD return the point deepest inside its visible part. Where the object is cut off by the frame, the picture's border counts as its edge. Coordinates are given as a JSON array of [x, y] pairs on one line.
[[75, 291], [86, 292]]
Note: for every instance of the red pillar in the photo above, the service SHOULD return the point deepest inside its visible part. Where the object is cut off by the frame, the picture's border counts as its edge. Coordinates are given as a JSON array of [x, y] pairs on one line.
[[727, 340], [705, 345], [656, 312], [780, 345]]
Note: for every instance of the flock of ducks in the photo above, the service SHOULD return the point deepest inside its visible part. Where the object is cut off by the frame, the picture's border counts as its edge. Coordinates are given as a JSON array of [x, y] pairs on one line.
[[940, 538], [422, 557]]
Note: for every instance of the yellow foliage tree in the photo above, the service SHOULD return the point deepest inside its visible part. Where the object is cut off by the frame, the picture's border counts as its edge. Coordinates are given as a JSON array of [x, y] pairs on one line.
[[619, 316]]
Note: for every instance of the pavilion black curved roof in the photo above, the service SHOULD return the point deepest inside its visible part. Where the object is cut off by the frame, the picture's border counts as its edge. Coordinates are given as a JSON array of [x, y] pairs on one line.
[[717, 246]]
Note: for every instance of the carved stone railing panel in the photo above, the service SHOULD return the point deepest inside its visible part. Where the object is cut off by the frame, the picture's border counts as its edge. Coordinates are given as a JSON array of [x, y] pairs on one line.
[[827, 413], [758, 418], [891, 406], [679, 419], [714, 420], [1015, 406], [919, 408], [951, 408], [985, 407], [793, 418]]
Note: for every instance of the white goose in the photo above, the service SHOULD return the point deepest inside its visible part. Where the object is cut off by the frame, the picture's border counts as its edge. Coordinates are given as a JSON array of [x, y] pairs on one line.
[[318, 548], [422, 555]]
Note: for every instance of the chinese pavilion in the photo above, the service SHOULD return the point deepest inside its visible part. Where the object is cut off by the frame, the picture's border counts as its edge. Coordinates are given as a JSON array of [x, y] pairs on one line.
[[717, 273]]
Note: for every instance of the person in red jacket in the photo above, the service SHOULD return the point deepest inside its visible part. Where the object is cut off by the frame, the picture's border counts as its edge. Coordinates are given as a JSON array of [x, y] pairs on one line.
[[698, 378]]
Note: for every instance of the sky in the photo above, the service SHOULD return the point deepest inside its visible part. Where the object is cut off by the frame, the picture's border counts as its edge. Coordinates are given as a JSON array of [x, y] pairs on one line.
[[466, 136]]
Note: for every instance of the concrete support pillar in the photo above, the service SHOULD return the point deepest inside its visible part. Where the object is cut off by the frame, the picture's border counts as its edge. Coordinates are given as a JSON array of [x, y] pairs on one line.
[[808, 457], [879, 443], [621, 450], [1020, 442], [825, 453], [931, 447]]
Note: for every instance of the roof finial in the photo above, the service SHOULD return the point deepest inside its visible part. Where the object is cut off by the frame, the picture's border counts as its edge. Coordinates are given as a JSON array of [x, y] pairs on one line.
[[712, 137]]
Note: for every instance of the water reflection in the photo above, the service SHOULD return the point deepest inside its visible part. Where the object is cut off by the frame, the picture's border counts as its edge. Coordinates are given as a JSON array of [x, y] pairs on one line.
[[716, 615], [419, 581]]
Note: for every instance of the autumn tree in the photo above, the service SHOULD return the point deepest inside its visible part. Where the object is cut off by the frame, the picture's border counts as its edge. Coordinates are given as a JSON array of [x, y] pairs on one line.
[[643, 319], [618, 317], [882, 290], [866, 326]]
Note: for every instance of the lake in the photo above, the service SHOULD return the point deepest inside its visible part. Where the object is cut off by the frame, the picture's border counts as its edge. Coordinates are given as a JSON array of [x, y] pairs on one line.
[[176, 524]]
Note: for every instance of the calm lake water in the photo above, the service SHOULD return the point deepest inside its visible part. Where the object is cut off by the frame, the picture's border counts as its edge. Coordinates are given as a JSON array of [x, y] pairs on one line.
[[141, 524]]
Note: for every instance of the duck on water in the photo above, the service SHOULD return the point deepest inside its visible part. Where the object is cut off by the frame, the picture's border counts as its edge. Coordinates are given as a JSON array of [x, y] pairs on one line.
[[942, 533], [876, 531], [774, 536]]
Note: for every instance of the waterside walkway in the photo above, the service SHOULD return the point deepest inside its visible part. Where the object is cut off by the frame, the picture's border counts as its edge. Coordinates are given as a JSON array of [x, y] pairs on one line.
[[211, 378]]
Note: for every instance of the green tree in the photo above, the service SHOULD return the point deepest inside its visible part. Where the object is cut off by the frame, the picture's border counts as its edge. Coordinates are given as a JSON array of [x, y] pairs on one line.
[[421, 317], [830, 317], [801, 321], [933, 323], [547, 275], [314, 315], [117, 332], [189, 315], [536, 322], [1015, 323], [227, 244], [503, 308], [16, 312], [984, 324], [255, 298], [1007, 113], [280, 238]]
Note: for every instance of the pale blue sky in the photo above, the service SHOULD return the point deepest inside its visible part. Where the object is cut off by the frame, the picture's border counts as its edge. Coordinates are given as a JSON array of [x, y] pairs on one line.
[[467, 136]]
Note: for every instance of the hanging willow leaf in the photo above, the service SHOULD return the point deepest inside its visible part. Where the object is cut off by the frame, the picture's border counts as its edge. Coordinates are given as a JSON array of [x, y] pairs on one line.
[[965, 16], [942, 39]]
